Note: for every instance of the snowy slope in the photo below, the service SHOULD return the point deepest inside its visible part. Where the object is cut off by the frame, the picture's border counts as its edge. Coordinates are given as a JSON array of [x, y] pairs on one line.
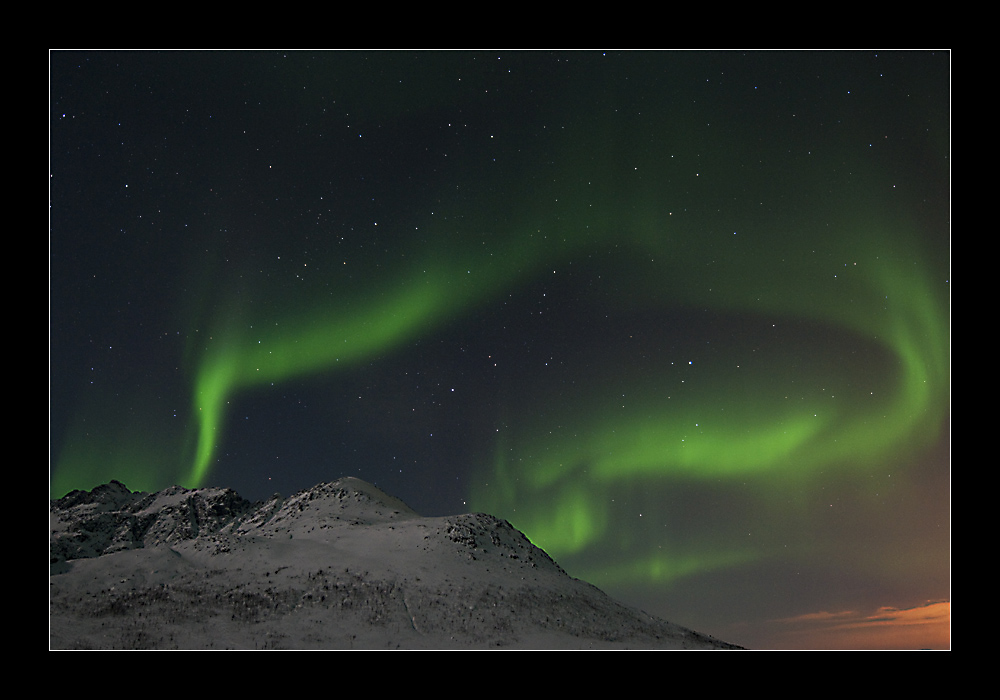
[[341, 565]]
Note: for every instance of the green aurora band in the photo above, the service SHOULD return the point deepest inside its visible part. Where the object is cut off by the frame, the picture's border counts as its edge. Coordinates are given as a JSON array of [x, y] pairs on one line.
[[559, 486], [354, 328]]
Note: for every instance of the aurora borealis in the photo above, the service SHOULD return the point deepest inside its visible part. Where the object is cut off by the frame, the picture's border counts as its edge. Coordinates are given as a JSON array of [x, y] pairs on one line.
[[683, 318]]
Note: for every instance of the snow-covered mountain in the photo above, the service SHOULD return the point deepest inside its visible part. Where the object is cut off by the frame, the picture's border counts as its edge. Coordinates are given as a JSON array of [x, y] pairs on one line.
[[341, 565]]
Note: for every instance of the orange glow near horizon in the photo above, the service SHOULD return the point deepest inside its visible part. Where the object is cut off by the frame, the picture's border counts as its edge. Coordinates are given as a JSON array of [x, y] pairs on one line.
[[924, 627]]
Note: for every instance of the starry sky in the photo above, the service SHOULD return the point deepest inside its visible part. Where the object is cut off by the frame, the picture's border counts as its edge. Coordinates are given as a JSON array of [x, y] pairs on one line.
[[683, 318]]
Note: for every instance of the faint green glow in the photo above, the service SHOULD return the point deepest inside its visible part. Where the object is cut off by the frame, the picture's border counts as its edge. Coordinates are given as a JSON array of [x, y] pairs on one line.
[[662, 568], [88, 461], [123, 440]]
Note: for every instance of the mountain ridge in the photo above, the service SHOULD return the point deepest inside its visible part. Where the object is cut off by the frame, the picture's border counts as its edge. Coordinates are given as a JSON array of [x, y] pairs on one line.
[[338, 565]]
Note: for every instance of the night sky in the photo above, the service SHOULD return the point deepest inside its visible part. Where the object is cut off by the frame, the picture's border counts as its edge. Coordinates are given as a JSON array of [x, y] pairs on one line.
[[683, 318]]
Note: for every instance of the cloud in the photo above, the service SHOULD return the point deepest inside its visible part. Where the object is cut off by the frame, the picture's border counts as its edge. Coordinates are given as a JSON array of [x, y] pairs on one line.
[[927, 626]]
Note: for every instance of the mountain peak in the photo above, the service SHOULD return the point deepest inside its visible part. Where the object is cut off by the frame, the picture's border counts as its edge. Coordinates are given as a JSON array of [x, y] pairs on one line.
[[338, 565]]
